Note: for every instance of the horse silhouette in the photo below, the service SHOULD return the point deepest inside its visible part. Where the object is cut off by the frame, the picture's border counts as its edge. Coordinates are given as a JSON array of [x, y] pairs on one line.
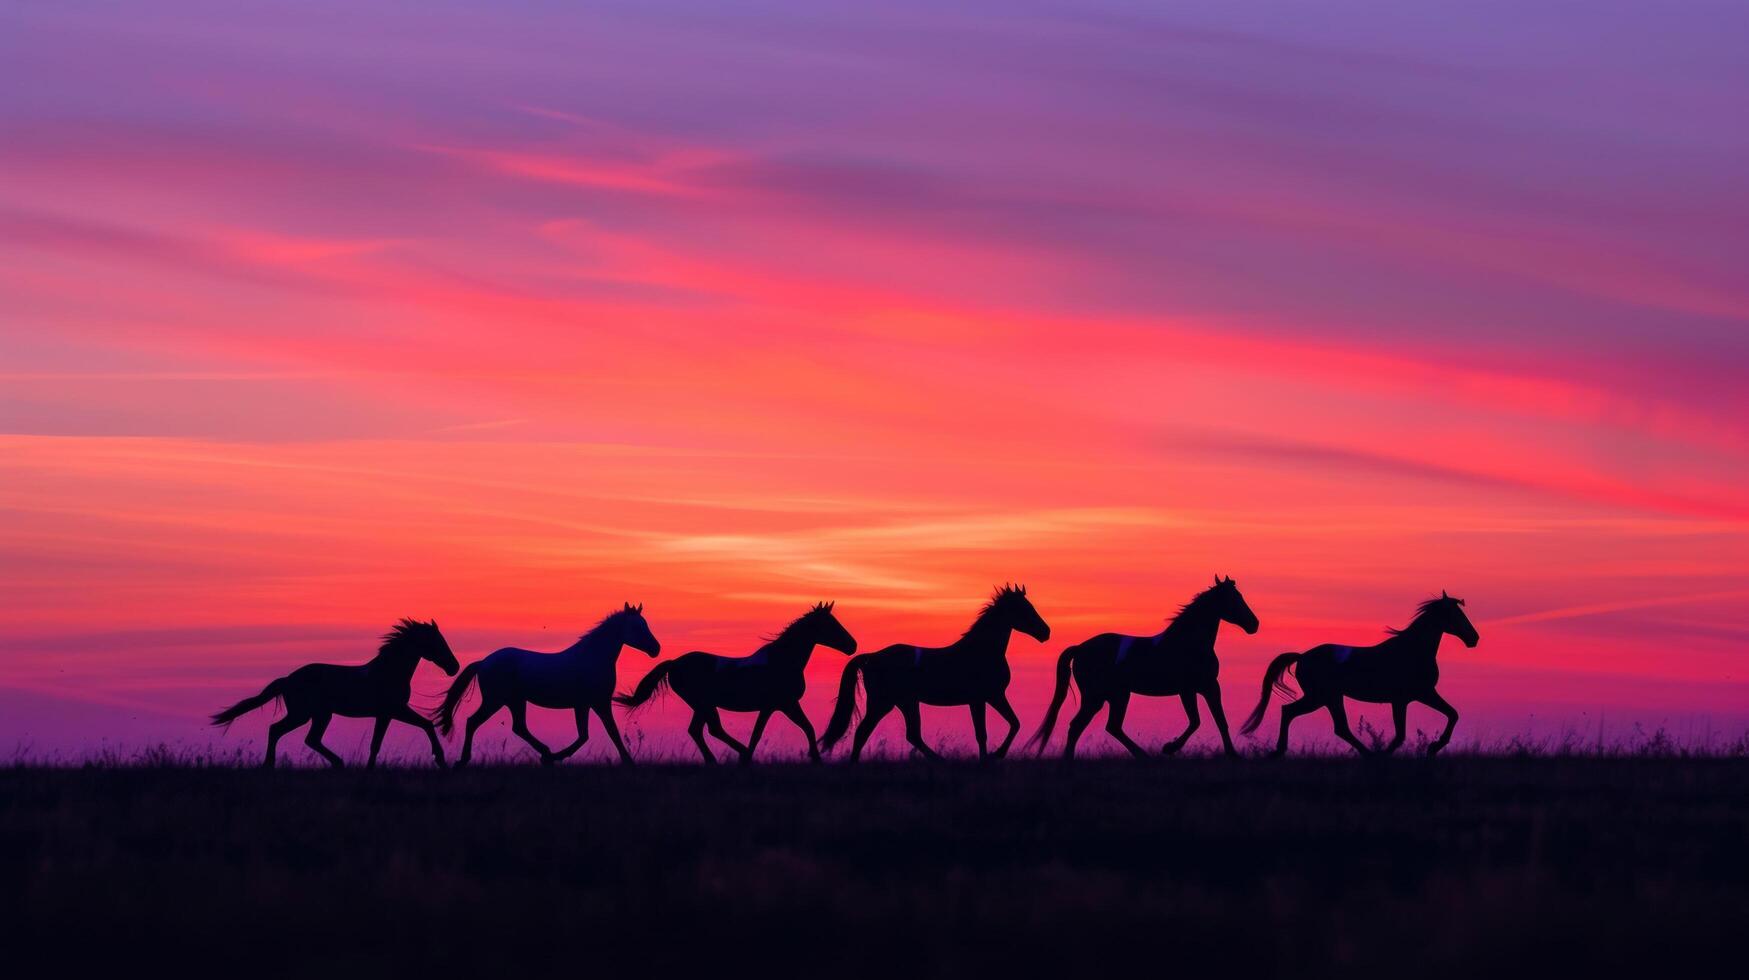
[[767, 681], [580, 677], [1178, 660], [1399, 670], [315, 693], [972, 671]]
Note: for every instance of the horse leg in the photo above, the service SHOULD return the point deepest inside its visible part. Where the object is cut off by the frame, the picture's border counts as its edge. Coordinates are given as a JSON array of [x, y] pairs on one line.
[[313, 738], [485, 711], [277, 731], [1339, 721], [980, 733], [914, 731], [754, 737], [872, 715], [1213, 697], [519, 725], [1441, 705], [1078, 724], [582, 712], [1400, 716], [1006, 710], [407, 714], [1193, 721], [605, 710], [1290, 711], [696, 729], [1120, 705], [794, 713], [714, 723], [376, 740]]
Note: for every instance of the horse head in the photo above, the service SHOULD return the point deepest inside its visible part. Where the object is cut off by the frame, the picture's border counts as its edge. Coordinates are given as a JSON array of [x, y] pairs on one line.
[[634, 632], [827, 631], [1453, 620], [1233, 607], [1014, 610], [425, 640]]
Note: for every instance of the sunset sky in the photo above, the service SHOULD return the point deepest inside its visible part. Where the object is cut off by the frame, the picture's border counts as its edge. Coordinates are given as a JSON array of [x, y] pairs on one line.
[[315, 315]]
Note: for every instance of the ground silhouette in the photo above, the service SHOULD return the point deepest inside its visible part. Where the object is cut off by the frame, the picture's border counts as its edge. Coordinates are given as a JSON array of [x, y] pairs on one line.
[[1311, 867]]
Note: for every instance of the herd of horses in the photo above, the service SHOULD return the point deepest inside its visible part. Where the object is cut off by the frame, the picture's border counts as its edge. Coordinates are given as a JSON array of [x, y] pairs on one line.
[[972, 671]]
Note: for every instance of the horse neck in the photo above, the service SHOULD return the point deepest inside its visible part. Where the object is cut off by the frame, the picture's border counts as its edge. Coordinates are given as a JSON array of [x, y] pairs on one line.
[[1419, 638], [986, 636], [1195, 627], [591, 646], [789, 649], [395, 664]]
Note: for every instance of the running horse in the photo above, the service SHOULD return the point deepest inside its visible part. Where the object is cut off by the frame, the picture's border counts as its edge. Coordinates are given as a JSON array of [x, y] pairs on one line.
[[972, 671], [580, 677], [1178, 660], [767, 681], [315, 693], [1399, 670]]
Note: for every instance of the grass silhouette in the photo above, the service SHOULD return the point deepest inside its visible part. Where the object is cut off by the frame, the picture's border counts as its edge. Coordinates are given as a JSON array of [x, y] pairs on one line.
[[1556, 854]]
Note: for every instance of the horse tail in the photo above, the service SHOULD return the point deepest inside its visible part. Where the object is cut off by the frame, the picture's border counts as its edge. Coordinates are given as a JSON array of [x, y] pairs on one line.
[[844, 711], [1273, 679], [1064, 664], [272, 692], [445, 713], [647, 688]]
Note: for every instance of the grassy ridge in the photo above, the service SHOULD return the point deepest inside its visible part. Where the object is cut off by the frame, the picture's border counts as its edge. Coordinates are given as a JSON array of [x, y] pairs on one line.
[[1319, 864]]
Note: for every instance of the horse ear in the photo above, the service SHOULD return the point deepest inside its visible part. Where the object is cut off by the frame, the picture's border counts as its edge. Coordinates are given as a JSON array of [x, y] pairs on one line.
[[1442, 594]]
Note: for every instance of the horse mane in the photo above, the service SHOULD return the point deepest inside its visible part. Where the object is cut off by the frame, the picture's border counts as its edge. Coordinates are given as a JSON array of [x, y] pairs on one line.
[[1003, 595], [819, 609], [612, 617], [408, 630], [1422, 611], [1196, 602]]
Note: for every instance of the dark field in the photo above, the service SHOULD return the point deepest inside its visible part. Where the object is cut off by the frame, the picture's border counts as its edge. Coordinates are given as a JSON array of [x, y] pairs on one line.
[[1312, 866]]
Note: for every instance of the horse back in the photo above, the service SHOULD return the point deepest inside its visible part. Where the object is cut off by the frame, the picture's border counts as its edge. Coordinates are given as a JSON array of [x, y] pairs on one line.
[[547, 679], [1366, 673], [745, 683], [340, 689]]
